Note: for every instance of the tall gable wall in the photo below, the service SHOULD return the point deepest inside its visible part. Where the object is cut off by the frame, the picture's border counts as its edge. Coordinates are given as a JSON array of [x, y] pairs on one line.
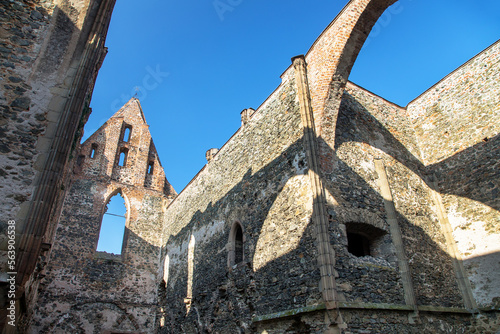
[[86, 290]]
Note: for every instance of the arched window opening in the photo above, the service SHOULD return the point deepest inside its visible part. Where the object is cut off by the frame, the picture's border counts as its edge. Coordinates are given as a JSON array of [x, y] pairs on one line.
[[93, 151], [166, 268], [126, 133], [150, 167], [236, 245], [364, 239], [122, 160], [113, 226]]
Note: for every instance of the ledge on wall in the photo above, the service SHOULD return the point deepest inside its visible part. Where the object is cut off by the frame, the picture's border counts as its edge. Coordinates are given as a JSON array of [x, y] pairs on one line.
[[108, 256], [361, 306]]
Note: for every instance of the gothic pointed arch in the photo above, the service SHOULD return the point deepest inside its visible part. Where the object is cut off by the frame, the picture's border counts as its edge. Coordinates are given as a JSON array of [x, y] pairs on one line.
[[236, 245]]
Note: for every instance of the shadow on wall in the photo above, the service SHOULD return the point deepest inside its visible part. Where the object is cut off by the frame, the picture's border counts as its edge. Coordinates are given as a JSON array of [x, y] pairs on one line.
[[227, 298], [460, 174], [470, 174], [485, 265]]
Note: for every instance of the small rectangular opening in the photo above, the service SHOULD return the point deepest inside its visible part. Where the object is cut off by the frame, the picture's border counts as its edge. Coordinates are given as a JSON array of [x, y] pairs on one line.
[[93, 151]]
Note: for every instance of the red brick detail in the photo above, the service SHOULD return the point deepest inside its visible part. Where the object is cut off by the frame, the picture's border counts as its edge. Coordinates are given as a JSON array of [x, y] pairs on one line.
[[330, 61]]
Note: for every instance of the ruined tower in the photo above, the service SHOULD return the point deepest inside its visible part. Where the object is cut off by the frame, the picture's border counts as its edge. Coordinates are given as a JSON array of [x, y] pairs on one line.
[[81, 283]]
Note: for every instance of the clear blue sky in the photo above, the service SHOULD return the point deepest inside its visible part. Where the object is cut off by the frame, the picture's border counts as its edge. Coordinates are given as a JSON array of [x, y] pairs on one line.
[[212, 63]]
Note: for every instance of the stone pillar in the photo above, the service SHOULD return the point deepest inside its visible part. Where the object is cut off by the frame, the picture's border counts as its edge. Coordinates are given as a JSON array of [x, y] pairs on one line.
[[397, 238], [326, 254], [189, 289], [456, 258], [53, 160]]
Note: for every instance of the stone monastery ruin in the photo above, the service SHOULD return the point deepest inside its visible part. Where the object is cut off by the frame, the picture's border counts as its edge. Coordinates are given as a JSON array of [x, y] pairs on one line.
[[330, 210]]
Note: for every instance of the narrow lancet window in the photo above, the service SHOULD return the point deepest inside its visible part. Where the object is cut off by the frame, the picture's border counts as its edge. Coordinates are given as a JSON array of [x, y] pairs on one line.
[[126, 133], [189, 292], [93, 151], [236, 245], [122, 160]]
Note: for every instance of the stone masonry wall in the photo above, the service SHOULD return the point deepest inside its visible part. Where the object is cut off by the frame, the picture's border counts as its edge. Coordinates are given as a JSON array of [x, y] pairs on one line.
[[91, 291], [207, 295], [24, 26], [457, 126], [368, 128], [258, 180], [42, 99], [380, 321], [38, 40], [370, 288]]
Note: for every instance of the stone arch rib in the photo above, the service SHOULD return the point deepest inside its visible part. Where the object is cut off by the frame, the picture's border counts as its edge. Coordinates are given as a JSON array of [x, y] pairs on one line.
[[329, 63]]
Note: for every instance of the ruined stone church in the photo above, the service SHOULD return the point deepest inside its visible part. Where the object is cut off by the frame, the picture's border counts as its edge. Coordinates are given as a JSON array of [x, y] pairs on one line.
[[330, 210]]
